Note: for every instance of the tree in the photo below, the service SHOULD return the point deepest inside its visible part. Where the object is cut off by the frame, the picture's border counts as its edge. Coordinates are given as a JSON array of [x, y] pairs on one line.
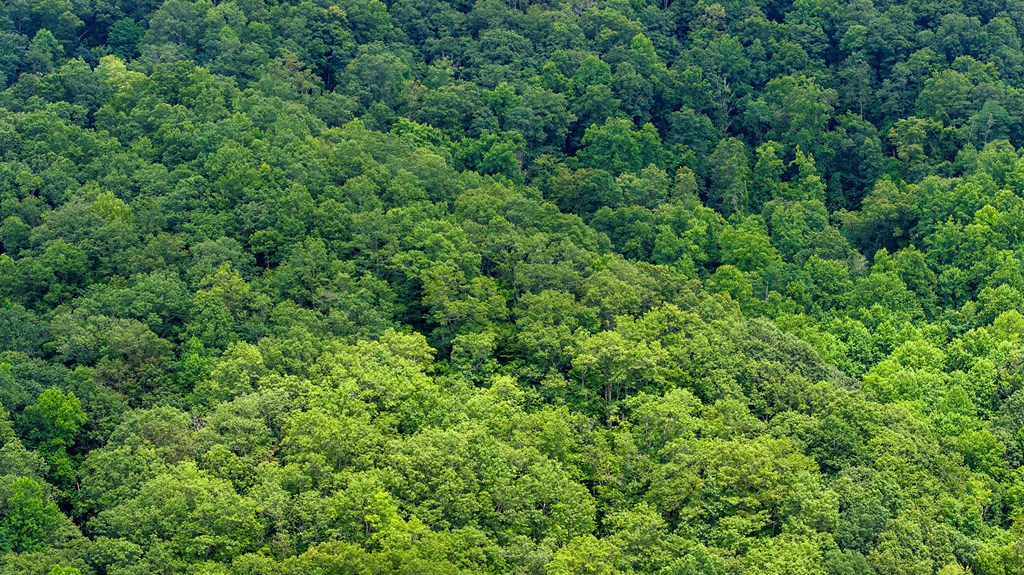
[[195, 515], [586, 556], [748, 247], [224, 310], [729, 186], [766, 177], [44, 53], [885, 219], [612, 146], [908, 137], [29, 517], [800, 112], [51, 426]]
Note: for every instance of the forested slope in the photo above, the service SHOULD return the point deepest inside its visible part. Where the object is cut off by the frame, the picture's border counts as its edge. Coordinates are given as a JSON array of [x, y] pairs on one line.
[[511, 286]]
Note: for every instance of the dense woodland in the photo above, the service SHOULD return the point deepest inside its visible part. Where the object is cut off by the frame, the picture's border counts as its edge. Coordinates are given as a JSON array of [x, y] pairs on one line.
[[327, 287]]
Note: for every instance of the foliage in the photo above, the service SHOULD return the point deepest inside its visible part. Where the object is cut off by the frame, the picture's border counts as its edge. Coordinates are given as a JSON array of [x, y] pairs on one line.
[[480, 286]]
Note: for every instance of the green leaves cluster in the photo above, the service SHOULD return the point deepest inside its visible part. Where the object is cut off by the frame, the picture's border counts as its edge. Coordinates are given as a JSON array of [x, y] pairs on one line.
[[430, 286]]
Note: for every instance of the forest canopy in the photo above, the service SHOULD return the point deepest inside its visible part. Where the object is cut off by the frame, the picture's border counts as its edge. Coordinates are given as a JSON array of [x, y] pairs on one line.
[[535, 287]]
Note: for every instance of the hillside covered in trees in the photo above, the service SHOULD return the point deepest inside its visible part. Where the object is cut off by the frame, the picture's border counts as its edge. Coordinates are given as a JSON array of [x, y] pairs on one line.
[[530, 287]]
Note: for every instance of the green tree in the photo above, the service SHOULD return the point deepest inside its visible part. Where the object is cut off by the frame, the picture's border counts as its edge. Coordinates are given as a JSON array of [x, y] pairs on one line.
[[729, 186], [612, 146], [51, 426], [29, 516]]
